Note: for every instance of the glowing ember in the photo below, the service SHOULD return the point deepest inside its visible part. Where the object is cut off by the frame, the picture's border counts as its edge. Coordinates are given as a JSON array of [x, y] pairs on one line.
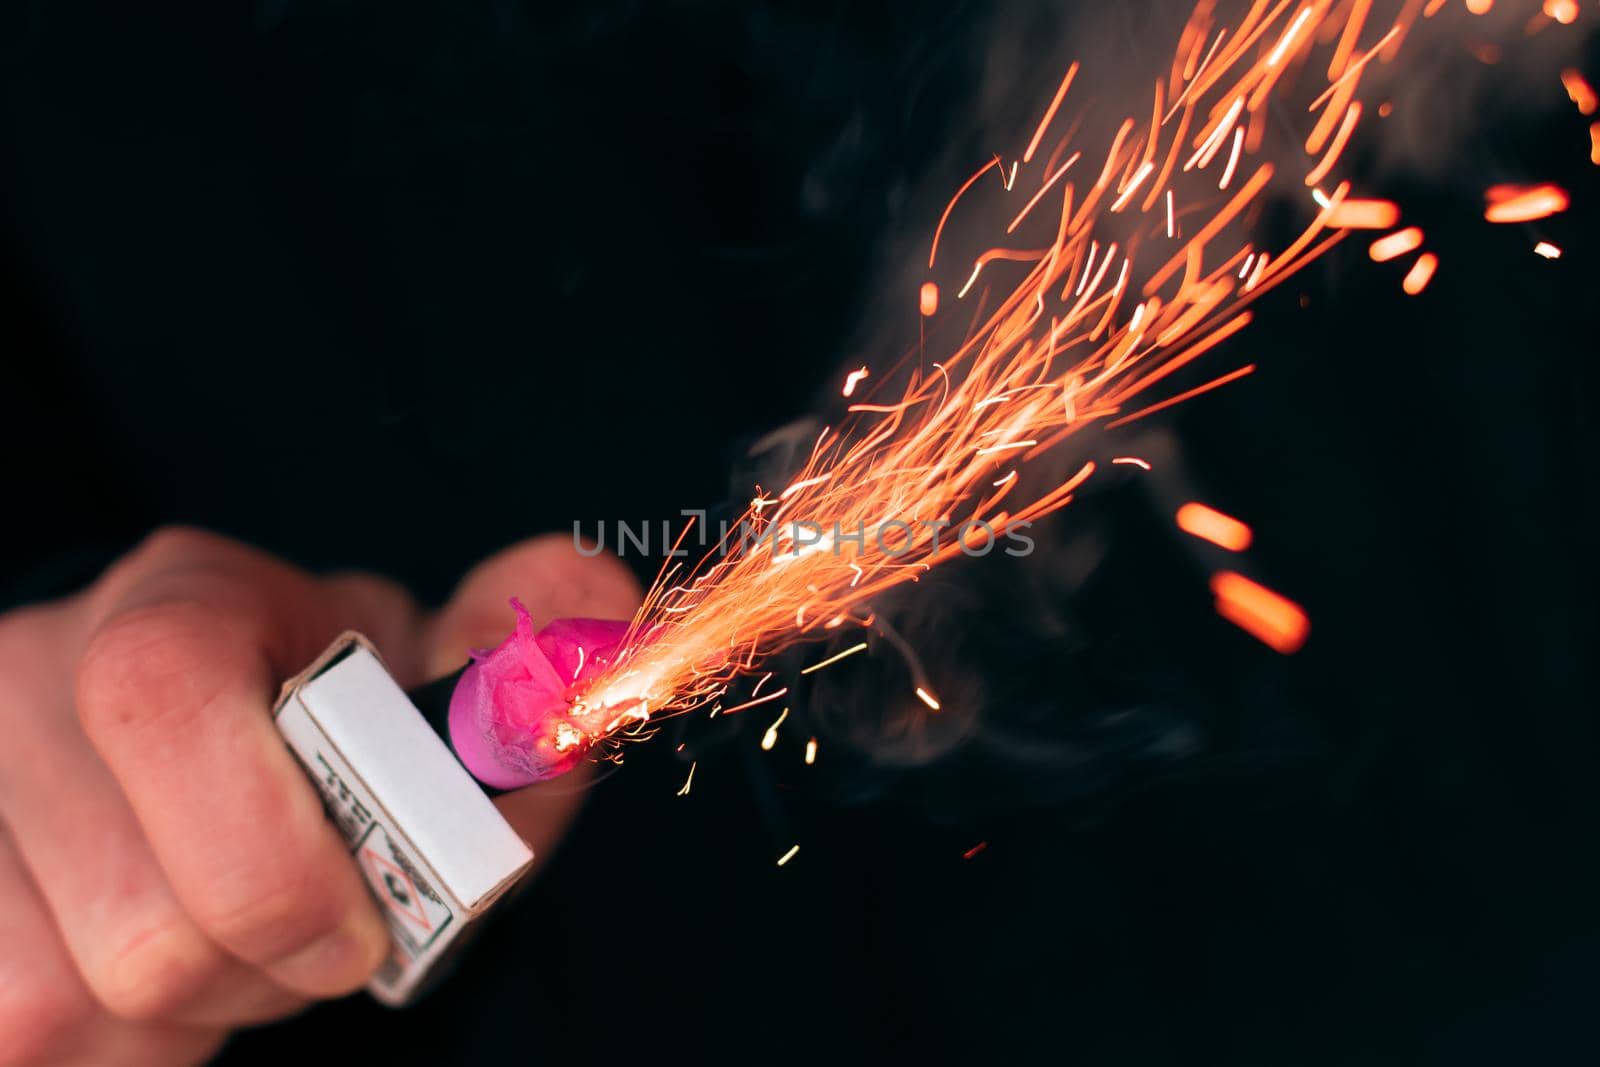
[[1563, 11], [787, 856], [1209, 524], [1420, 274], [1594, 143], [1365, 215], [1479, 7], [928, 299], [770, 738], [853, 379], [1523, 203], [1579, 91], [1547, 250], [811, 751], [1395, 244], [1276, 622]]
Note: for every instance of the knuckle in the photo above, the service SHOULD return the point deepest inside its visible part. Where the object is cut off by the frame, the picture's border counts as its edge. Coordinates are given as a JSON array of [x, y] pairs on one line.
[[271, 919], [155, 972], [38, 1022], [149, 660], [167, 544]]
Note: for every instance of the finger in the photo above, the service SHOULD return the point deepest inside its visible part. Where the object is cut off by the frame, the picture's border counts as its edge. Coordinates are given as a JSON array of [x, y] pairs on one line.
[[46, 1014], [553, 581], [139, 954], [174, 692]]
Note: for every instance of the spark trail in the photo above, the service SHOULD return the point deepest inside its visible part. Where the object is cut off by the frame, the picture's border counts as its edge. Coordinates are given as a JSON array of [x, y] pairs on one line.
[[1124, 265]]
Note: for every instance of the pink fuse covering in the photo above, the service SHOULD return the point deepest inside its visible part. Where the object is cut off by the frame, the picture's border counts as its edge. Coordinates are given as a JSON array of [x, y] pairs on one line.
[[509, 721]]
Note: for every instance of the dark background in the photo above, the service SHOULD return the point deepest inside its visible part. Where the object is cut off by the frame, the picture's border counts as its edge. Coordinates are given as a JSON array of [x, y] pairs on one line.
[[392, 285]]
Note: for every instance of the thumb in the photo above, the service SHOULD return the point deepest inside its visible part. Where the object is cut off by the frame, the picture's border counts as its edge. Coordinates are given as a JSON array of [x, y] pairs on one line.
[[553, 580]]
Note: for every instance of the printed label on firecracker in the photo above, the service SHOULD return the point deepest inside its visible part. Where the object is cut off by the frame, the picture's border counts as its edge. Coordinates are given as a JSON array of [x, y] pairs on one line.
[[421, 915]]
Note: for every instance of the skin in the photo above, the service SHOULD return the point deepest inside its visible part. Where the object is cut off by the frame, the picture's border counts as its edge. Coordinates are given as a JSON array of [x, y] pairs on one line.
[[166, 871]]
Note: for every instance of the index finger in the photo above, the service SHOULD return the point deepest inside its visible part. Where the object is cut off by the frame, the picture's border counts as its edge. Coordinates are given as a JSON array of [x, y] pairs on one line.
[[174, 691]]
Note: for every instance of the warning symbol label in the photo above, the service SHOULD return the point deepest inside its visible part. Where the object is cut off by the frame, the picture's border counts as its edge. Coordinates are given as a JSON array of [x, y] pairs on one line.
[[416, 912]]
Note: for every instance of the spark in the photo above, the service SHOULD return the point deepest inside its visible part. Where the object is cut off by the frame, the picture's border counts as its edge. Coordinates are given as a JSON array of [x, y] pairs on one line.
[[1579, 91], [1395, 244], [1133, 185], [933, 249], [811, 751], [1288, 37], [1045, 188], [787, 856], [1479, 7], [1006, 447], [1216, 383], [1209, 524], [1364, 215], [1049, 113], [974, 850], [1134, 460], [1524, 203], [1233, 158], [1594, 143], [1274, 620], [753, 703], [770, 738], [1563, 11], [853, 379], [1079, 322], [1547, 250], [852, 650], [1420, 274], [689, 781]]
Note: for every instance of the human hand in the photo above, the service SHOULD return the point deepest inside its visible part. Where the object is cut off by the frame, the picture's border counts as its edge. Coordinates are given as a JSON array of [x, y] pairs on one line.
[[166, 870]]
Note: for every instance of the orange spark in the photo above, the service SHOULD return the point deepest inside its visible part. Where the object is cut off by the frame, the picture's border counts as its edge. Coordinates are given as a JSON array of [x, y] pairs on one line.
[[1134, 461], [1524, 203], [1547, 250], [1050, 113], [853, 379], [787, 856], [689, 781], [1479, 7], [1420, 274], [1594, 143], [770, 738], [1364, 215], [1275, 621], [1209, 524], [811, 751], [1104, 296], [1563, 11], [852, 650], [1579, 91], [1395, 244]]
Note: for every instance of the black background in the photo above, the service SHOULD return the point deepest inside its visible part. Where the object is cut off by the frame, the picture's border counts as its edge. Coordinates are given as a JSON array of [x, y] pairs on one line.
[[392, 285]]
